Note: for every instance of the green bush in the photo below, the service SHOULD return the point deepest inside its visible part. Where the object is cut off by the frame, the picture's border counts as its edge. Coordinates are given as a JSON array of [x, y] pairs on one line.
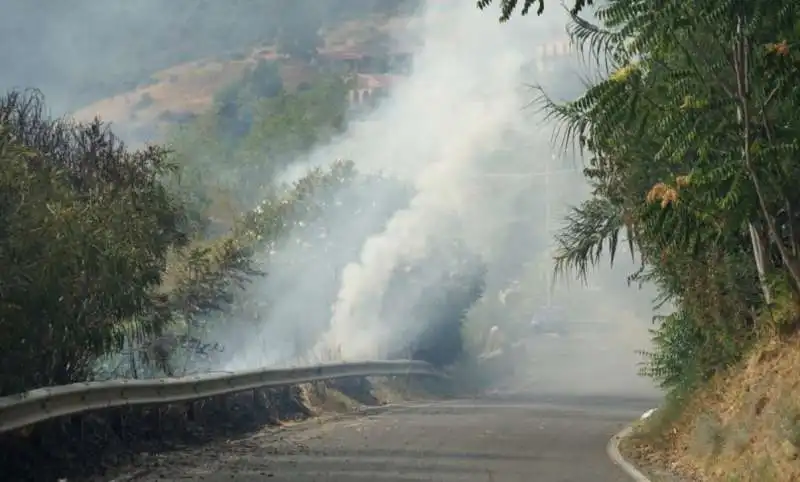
[[87, 227]]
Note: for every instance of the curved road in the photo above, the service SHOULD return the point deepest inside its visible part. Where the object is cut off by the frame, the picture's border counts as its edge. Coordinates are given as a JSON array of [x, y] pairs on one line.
[[500, 438]]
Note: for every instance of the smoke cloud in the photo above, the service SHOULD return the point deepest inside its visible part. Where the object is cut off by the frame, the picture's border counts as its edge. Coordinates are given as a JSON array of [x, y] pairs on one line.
[[462, 97]]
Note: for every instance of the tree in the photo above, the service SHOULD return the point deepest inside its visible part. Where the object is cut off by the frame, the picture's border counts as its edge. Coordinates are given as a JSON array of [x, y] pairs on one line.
[[98, 253], [691, 140], [87, 226], [290, 125], [235, 103], [264, 80]]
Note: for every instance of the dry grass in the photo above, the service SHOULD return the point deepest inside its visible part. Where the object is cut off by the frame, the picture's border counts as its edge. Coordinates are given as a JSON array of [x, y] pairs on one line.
[[745, 426], [186, 88]]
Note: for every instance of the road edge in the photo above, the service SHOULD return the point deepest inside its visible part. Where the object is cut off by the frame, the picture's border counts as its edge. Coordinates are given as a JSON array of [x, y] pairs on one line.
[[612, 449]]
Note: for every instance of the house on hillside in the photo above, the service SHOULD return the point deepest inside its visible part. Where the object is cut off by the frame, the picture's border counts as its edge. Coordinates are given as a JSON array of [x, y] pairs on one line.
[[371, 71], [367, 89], [551, 56]]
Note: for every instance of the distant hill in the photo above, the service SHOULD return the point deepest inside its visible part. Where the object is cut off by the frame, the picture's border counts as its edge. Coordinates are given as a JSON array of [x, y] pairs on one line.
[[181, 92], [80, 51]]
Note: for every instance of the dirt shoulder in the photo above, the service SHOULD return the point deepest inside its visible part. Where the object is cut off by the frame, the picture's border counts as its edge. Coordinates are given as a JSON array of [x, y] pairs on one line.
[[744, 426], [257, 447]]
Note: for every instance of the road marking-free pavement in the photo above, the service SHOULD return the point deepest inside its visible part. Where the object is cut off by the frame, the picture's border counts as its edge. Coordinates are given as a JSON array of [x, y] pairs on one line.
[[531, 438]]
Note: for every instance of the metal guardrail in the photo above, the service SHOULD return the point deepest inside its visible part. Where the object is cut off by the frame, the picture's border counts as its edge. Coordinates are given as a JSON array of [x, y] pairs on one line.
[[45, 403]]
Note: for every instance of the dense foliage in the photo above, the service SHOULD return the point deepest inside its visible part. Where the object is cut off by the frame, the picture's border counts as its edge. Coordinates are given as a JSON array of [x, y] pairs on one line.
[[76, 260], [691, 139], [89, 229]]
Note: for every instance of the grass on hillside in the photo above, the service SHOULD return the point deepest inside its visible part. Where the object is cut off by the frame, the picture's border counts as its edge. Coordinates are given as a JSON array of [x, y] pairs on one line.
[[743, 426]]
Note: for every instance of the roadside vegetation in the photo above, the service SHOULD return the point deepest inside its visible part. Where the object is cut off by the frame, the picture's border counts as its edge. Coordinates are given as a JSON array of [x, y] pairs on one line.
[[691, 138]]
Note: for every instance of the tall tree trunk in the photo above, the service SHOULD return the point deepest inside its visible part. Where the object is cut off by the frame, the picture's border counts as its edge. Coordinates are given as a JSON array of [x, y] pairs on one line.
[[760, 255], [741, 67]]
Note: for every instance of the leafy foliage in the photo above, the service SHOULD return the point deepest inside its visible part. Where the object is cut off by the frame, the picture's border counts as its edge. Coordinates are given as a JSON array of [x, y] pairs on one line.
[[87, 227], [234, 104]]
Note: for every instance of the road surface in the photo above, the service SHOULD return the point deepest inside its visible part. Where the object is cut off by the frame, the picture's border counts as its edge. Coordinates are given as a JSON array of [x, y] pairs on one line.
[[494, 438]]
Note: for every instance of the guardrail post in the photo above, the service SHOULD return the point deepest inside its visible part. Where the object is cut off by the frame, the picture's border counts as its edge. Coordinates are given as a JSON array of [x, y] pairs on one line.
[[122, 421], [259, 400], [82, 427], [220, 403], [158, 419], [191, 411]]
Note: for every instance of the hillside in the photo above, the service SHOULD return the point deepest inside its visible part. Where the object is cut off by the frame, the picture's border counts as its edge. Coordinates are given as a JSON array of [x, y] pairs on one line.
[[744, 426], [82, 51], [183, 91]]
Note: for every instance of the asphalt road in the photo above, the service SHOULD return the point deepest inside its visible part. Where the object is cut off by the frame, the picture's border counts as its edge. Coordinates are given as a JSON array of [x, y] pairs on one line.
[[500, 438]]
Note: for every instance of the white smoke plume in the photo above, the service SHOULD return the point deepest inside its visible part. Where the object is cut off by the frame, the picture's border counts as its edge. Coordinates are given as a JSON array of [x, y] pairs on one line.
[[463, 97]]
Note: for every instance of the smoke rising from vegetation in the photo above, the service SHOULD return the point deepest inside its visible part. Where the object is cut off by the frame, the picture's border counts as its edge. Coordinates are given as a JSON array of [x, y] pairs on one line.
[[461, 98]]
